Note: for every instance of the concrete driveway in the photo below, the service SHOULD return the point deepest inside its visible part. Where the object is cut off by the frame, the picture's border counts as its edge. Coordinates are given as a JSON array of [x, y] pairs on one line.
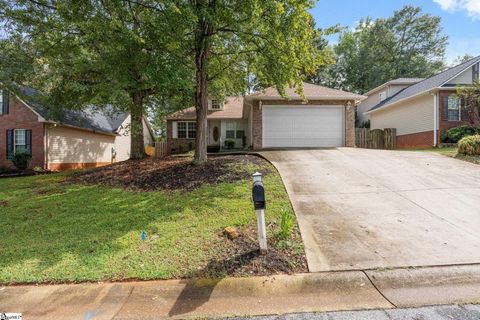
[[363, 209]]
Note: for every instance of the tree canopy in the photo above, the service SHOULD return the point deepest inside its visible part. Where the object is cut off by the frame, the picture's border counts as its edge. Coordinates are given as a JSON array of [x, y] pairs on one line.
[[408, 44], [81, 53], [228, 41]]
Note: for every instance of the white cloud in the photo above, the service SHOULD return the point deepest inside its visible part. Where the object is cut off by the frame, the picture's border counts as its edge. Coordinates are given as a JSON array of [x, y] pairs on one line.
[[472, 7]]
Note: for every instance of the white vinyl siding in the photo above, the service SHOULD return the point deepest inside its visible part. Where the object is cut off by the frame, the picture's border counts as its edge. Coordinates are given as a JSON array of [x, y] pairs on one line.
[[303, 126], [68, 145], [407, 117], [463, 78]]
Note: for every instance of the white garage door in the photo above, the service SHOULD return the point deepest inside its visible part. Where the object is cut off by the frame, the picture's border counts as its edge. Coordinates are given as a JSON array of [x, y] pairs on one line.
[[303, 126]]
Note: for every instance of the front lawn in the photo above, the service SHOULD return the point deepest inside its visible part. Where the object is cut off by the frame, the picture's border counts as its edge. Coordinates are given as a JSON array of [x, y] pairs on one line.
[[63, 228], [452, 152]]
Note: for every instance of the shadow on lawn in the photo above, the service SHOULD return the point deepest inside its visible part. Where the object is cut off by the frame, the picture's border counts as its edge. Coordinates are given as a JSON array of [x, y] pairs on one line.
[[64, 234], [194, 296]]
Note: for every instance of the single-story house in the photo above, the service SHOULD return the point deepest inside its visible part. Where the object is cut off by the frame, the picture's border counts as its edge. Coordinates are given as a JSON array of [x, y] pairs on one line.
[[263, 120], [82, 139], [422, 111]]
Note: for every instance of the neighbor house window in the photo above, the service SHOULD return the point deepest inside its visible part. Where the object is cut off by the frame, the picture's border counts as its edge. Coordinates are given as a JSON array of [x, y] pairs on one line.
[[186, 130], [453, 108], [216, 105], [18, 140]]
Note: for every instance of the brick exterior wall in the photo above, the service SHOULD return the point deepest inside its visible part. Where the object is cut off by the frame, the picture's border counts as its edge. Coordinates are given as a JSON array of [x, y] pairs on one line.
[[415, 140], [444, 125], [177, 145], [21, 117], [349, 118]]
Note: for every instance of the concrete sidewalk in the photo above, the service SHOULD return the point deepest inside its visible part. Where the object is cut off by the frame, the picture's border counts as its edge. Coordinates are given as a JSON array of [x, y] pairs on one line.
[[315, 292]]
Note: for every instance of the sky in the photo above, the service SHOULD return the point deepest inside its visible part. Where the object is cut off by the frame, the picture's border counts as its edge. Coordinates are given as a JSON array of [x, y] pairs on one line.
[[460, 18]]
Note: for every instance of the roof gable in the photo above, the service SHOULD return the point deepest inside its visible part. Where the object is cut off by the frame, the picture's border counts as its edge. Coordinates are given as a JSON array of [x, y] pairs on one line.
[[428, 84], [311, 91], [232, 109]]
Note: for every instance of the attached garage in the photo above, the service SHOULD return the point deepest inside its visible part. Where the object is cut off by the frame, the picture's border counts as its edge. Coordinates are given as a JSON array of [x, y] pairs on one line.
[[290, 126]]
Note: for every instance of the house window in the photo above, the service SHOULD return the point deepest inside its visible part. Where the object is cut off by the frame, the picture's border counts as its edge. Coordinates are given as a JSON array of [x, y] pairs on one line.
[[453, 108], [234, 131], [383, 95], [186, 130], [240, 134], [216, 105], [230, 130]]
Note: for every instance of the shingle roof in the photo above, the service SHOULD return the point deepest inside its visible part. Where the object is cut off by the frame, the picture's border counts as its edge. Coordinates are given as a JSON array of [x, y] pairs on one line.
[[398, 81], [232, 109], [310, 91], [105, 120], [427, 84]]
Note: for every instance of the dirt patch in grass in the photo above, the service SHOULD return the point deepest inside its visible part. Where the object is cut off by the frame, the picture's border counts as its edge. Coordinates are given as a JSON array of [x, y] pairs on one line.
[[172, 173], [241, 257], [3, 203]]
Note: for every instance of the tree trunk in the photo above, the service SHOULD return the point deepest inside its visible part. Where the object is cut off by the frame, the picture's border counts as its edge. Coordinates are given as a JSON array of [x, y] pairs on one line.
[[202, 47], [137, 148]]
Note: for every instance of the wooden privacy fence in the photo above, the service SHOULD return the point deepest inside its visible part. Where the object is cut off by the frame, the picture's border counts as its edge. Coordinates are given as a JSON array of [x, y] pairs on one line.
[[376, 139], [161, 149]]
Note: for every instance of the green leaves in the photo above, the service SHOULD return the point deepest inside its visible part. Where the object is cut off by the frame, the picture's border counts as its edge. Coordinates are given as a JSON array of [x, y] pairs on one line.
[[408, 44]]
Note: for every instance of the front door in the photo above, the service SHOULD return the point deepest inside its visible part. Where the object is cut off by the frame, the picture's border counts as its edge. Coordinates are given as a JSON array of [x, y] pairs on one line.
[[214, 133]]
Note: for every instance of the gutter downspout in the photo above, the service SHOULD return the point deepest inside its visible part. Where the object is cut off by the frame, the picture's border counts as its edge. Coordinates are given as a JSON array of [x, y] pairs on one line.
[[435, 119]]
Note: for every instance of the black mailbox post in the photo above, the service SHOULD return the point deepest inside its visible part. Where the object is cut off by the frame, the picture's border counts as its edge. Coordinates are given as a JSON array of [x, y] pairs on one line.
[[258, 194]]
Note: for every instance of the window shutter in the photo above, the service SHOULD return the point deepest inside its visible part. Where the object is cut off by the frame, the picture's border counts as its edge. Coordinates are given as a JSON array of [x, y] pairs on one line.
[[5, 102], [28, 141], [445, 108], [174, 130], [9, 144]]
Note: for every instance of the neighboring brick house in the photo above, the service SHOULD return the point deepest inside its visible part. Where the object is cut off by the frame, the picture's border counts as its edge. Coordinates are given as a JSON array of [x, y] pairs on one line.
[[84, 139], [424, 110], [324, 117]]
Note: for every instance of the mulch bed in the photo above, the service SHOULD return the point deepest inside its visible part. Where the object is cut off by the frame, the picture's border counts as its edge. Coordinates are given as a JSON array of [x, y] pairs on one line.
[[241, 257], [172, 173]]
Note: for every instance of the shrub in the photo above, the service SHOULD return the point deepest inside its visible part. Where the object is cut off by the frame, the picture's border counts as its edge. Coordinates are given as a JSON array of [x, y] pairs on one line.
[[454, 135], [470, 145], [229, 144], [286, 224], [21, 159]]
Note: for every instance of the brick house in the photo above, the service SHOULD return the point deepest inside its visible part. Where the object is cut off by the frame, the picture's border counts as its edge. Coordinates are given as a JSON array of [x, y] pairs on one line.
[[425, 109], [84, 139], [324, 117]]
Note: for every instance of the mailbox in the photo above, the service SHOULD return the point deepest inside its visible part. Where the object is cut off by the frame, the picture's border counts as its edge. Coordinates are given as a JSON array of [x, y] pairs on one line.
[[258, 195]]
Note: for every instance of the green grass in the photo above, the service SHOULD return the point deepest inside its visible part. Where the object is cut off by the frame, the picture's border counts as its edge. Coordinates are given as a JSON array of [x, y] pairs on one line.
[[451, 152], [53, 231]]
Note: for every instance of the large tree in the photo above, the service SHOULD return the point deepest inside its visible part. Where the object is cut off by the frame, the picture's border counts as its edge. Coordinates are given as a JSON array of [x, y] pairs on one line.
[[227, 41], [109, 52], [408, 44]]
